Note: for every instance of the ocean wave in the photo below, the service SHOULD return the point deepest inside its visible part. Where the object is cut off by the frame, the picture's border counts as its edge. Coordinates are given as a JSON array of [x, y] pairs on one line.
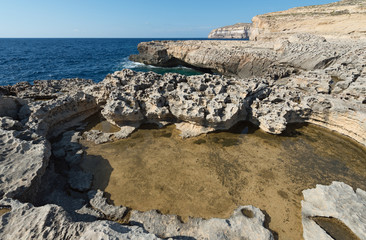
[[126, 63], [136, 66]]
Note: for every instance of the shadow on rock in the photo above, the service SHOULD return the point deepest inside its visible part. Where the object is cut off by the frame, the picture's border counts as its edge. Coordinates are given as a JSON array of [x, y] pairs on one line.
[[100, 168], [267, 221]]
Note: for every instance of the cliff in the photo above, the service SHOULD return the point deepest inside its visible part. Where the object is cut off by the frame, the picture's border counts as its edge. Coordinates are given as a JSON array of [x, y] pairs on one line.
[[343, 19], [236, 31]]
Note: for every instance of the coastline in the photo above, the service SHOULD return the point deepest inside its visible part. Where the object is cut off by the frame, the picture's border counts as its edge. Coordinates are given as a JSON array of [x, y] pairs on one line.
[[276, 79]]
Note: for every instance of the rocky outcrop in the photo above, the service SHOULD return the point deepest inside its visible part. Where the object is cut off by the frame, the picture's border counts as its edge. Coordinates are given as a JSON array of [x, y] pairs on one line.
[[23, 160], [337, 201], [274, 59], [99, 203], [239, 58], [236, 31], [318, 80], [343, 19], [127, 99], [297, 78], [245, 223], [25, 221], [214, 102]]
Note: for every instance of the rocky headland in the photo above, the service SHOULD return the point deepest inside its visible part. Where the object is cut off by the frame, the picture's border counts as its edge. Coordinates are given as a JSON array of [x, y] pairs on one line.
[[308, 75], [236, 31]]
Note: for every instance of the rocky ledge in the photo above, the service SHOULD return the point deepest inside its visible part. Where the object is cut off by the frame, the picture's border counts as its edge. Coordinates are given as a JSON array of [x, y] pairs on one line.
[[306, 78], [299, 78], [40, 113], [236, 31], [345, 19]]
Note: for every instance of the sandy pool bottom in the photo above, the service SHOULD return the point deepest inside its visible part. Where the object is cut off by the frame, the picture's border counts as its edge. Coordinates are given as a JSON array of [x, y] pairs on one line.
[[211, 175]]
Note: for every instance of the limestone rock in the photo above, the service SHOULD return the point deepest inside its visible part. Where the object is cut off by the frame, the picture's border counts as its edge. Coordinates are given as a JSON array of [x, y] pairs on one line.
[[7, 123], [110, 230], [10, 106], [238, 30], [99, 137], [213, 102], [99, 203], [48, 89], [192, 130], [238, 226], [50, 118], [25, 221], [239, 58], [339, 201], [23, 161], [69, 147], [342, 19]]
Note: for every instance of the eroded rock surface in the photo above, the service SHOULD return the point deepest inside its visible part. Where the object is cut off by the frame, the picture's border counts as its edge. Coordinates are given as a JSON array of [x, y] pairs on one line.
[[23, 160], [299, 77], [25, 221], [213, 102], [341, 19], [236, 31], [238, 226], [338, 201]]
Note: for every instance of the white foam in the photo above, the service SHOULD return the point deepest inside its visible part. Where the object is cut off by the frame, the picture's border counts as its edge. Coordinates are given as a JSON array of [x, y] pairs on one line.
[[126, 63]]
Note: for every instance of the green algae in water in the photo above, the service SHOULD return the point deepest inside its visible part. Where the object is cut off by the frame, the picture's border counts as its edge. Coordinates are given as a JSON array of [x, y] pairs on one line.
[[210, 175], [335, 228]]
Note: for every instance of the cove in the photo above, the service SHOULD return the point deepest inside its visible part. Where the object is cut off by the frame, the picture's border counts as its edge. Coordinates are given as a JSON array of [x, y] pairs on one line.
[[210, 175]]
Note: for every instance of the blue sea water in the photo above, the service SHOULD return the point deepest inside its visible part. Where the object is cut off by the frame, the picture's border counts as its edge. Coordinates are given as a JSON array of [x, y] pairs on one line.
[[44, 59]]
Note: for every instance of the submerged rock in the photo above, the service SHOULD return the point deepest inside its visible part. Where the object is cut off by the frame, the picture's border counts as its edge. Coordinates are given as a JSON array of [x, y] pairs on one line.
[[99, 203]]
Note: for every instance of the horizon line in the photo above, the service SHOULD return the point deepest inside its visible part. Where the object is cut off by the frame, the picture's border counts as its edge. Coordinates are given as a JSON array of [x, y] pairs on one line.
[[97, 37]]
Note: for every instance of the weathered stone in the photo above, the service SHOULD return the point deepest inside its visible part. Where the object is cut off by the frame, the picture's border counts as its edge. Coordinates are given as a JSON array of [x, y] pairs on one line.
[[25, 221], [338, 201], [48, 89], [341, 19], [69, 147], [99, 203], [10, 106], [239, 31], [192, 130], [238, 226], [22, 163]]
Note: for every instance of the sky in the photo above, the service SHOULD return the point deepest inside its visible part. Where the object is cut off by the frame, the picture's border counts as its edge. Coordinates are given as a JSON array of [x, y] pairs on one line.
[[130, 18]]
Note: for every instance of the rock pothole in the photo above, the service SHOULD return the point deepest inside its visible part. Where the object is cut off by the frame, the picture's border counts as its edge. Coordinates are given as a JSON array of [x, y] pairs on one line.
[[210, 175]]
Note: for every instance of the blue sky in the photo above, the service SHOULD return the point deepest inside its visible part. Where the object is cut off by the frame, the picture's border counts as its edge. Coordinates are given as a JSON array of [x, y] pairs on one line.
[[132, 18]]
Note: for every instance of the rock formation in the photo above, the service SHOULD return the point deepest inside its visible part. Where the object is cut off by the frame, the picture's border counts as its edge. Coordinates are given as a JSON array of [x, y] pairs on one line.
[[343, 19], [299, 77], [236, 31], [323, 83], [337, 201]]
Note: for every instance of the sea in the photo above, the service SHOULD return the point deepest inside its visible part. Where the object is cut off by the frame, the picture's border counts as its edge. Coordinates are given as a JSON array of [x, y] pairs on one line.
[[44, 59]]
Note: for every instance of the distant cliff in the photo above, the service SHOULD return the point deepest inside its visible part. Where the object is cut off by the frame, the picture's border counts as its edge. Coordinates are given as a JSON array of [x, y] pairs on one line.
[[238, 31], [343, 19]]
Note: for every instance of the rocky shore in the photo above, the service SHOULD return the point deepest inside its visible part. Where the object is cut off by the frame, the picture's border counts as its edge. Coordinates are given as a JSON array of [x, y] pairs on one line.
[[305, 78], [298, 78]]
